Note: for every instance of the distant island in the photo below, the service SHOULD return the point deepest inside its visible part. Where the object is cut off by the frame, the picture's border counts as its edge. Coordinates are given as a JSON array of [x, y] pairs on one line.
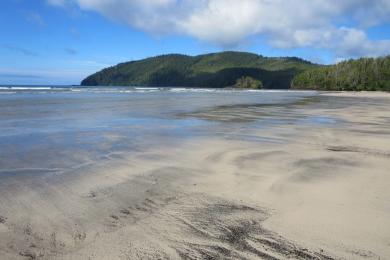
[[245, 70]]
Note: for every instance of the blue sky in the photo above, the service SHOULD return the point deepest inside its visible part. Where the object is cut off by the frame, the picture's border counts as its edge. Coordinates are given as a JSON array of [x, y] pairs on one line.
[[63, 41]]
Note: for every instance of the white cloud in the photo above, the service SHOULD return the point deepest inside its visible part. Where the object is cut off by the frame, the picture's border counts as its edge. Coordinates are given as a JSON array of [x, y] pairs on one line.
[[20, 50], [42, 75], [285, 23], [35, 18], [355, 42], [57, 2]]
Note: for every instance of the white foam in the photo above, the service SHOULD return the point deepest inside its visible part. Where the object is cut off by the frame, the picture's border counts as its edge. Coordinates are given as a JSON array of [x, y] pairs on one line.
[[146, 88], [30, 88], [200, 90]]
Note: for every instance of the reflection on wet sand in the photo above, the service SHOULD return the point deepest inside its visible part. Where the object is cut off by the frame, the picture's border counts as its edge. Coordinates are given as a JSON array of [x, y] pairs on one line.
[[256, 182]]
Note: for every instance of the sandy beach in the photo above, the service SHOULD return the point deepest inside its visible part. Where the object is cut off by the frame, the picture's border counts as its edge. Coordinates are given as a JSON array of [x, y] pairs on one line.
[[313, 186]]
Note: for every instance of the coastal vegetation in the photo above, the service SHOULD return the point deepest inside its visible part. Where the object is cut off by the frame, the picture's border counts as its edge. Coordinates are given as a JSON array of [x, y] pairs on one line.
[[216, 70], [248, 82], [357, 75], [246, 70]]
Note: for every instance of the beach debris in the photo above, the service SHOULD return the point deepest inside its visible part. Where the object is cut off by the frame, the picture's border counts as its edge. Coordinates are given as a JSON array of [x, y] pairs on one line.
[[114, 217], [28, 254], [125, 211]]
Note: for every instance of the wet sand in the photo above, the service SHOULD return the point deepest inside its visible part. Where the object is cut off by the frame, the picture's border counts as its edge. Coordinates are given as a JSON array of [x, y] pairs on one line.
[[312, 187]]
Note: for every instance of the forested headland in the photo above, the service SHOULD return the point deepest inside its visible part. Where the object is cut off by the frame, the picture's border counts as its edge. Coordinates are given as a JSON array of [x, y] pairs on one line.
[[215, 70], [246, 70]]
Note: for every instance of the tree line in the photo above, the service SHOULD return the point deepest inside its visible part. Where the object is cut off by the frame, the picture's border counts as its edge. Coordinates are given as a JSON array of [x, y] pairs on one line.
[[352, 75]]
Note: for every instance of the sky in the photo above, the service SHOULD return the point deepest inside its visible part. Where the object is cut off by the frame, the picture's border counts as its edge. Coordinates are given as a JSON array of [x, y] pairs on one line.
[[60, 42]]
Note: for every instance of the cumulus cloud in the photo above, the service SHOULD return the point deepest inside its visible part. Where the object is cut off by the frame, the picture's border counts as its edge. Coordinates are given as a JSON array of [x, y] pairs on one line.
[[284, 23], [353, 42]]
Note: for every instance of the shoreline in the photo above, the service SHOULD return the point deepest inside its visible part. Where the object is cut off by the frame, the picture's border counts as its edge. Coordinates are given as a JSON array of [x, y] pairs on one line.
[[315, 189], [355, 93]]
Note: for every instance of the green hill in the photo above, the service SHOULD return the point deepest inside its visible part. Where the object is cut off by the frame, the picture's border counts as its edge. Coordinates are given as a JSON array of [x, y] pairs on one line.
[[361, 74], [214, 70]]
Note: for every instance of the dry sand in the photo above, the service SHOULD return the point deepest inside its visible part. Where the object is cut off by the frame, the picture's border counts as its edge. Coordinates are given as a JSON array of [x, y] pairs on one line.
[[299, 191]]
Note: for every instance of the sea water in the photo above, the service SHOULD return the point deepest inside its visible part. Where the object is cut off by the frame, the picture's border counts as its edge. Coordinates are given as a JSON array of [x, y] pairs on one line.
[[51, 129]]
